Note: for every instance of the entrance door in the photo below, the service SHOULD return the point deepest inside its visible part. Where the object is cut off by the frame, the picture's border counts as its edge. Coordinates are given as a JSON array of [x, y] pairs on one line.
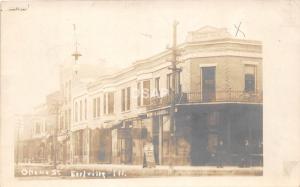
[[199, 140], [208, 84], [126, 151]]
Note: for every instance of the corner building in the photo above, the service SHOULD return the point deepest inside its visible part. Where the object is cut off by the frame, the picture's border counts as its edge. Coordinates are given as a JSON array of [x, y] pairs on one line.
[[218, 99]]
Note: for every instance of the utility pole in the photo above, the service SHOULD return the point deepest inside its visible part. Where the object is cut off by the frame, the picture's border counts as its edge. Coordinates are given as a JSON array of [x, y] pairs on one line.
[[76, 53], [172, 143]]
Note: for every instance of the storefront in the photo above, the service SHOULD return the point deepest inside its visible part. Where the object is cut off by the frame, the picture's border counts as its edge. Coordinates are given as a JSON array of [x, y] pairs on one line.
[[233, 130]]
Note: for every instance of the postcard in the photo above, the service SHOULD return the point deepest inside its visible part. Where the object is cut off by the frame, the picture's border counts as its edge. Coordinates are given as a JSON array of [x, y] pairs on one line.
[[150, 93]]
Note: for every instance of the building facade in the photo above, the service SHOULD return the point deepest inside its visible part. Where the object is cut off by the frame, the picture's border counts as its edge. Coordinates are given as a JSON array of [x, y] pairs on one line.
[[35, 136], [74, 76], [106, 117], [218, 106]]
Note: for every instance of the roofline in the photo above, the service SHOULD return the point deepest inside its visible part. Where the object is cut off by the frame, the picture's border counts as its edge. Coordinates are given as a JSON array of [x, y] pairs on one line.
[[164, 53]]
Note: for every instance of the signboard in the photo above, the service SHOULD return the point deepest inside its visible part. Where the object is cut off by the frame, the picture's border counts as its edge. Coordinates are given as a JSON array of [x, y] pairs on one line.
[[149, 160]]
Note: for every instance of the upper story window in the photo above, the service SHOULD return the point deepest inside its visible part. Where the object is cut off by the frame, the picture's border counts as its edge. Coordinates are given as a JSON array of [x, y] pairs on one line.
[[125, 99], [177, 82], [104, 103], [146, 92], [250, 78], [208, 83], [157, 88], [169, 82], [128, 97], [139, 94], [108, 103], [111, 103], [98, 106]]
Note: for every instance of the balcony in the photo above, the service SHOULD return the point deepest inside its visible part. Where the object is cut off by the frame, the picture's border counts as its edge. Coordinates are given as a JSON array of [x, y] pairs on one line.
[[202, 97]]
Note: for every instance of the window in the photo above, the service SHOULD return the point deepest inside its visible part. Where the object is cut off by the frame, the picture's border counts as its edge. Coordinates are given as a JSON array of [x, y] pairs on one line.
[[85, 109], [76, 112], [128, 98], [94, 107], [177, 82], [104, 104], [139, 94], [250, 78], [108, 100], [169, 82], [146, 92], [208, 83], [80, 106], [110, 103], [157, 91], [123, 99], [98, 106]]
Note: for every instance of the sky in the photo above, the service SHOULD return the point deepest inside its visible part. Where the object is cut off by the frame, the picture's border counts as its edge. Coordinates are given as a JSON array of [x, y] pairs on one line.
[[36, 41]]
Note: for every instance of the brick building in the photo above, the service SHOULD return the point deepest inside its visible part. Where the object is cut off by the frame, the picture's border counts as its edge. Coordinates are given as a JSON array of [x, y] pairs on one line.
[[218, 106]]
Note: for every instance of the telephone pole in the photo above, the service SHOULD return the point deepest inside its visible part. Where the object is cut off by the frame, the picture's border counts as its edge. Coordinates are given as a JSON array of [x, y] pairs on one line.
[[174, 69]]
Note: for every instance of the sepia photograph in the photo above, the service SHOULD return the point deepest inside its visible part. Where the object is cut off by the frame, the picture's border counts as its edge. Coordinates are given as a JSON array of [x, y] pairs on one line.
[[147, 90]]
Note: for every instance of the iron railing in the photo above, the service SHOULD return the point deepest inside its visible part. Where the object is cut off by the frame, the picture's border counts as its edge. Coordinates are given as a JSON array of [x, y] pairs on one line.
[[207, 97]]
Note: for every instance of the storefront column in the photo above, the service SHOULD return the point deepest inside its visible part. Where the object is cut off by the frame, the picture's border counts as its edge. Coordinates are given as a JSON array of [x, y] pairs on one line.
[[161, 132]]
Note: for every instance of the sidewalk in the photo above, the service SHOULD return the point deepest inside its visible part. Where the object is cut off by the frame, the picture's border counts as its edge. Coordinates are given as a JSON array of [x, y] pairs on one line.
[[131, 171]]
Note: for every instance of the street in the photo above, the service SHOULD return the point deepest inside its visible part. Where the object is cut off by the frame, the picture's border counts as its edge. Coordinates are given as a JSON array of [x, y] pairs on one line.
[[109, 171]]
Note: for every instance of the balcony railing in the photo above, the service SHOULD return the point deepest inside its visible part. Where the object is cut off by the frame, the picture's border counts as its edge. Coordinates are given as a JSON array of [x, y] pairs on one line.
[[206, 97]]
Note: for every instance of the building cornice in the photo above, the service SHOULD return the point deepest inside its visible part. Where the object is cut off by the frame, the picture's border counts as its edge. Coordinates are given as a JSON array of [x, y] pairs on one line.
[[112, 80]]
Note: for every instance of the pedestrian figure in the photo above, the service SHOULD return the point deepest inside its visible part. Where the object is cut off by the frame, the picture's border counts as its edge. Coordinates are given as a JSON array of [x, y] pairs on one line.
[[144, 161], [220, 154], [245, 155]]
